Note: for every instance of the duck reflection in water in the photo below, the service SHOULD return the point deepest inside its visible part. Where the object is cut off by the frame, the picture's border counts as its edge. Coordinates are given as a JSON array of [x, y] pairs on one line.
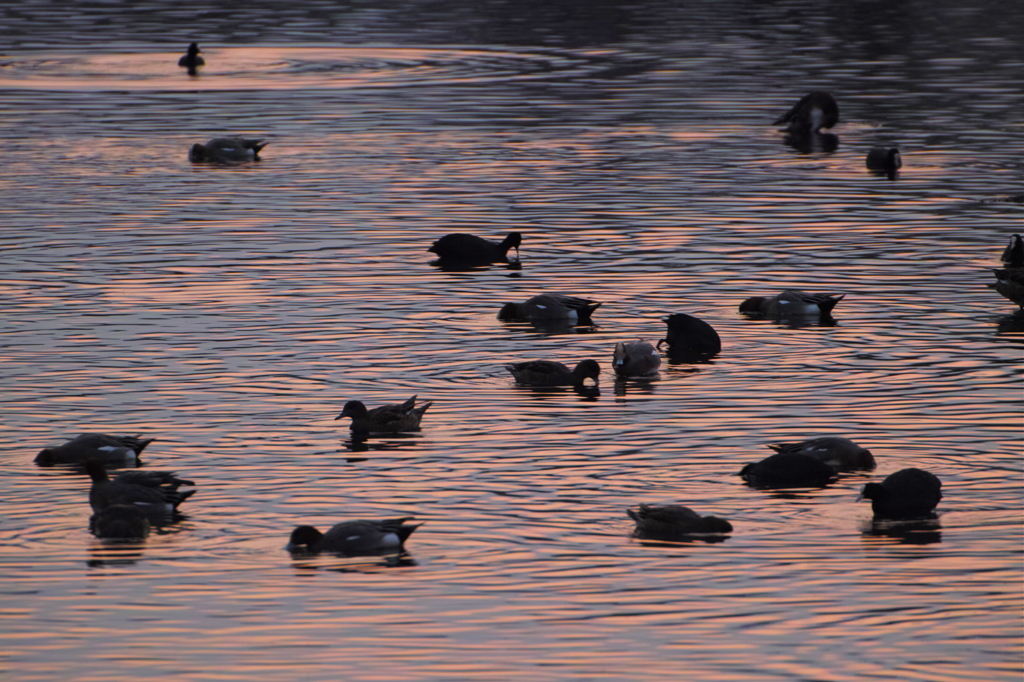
[[926, 531], [105, 553], [338, 564], [360, 441], [812, 143], [515, 266]]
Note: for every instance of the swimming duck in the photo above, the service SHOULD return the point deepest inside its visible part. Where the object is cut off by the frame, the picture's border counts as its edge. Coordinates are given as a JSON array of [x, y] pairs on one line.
[[192, 60], [98, 446], [386, 418], [908, 493], [814, 111], [353, 538], [792, 303], [551, 373], [635, 359], [153, 492], [468, 248], [1013, 254], [1010, 283], [550, 307], [882, 160], [838, 452], [227, 150], [674, 520], [788, 470], [119, 522], [690, 335]]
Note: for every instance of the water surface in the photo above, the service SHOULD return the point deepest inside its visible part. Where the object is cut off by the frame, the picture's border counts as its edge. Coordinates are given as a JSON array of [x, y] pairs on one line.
[[231, 312]]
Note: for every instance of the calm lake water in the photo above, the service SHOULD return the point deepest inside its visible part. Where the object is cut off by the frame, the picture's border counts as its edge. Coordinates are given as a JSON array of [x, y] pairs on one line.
[[230, 312]]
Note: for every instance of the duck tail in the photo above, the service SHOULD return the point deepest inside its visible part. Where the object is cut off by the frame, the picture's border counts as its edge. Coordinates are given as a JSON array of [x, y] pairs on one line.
[[830, 302], [177, 498], [584, 313]]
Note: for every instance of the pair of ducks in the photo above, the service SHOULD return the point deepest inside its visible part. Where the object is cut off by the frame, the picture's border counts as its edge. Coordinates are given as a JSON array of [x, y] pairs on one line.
[[220, 150], [817, 110], [123, 507], [631, 359]]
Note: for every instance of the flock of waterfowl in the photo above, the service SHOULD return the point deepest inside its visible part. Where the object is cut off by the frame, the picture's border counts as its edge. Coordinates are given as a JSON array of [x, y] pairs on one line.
[[125, 506]]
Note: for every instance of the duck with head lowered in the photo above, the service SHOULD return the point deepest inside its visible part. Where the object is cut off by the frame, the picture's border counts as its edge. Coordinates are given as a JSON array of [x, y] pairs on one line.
[[468, 249], [814, 111], [354, 538], [226, 151]]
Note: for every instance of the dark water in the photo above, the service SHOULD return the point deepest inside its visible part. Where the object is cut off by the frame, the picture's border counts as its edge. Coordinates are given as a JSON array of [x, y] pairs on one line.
[[231, 312]]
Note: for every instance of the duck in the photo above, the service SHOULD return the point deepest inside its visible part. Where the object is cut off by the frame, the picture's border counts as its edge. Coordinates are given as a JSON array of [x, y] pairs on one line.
[[468, 248], [551, 373], [153, 492], [1010, 284], [226, 150], [788, 470], [1013, 254], [635, 359], [792, 303], [674, 520], [814, 111], [908, 493], [883, 160], [100, 446], [386, 418], [354, 538], [119, 522], [550, 307], [688, 335], [840, 453], [192, 61]]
